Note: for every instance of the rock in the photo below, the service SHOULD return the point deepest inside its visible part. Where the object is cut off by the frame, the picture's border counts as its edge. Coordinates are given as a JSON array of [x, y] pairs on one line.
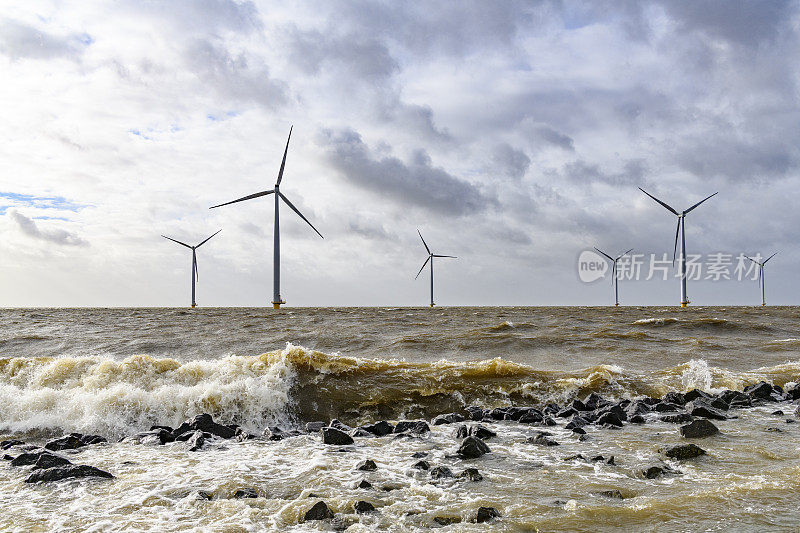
[[498, 413], [413, 426], [472, 474], [241, 494], [667, 407], [462, 431], [441, 472], [609, 419], [196, 441], [684, 451], [475, 413], [165, 428], [336, 437], [486, 514], [674, 397], [531, 416], [481, 432], [542, 440], [611, 461], [6, 444], [548, 421], [273, 433], [653, 472], [419, 455], [679, 418], [637, 408], [615, 493], [636, 419], [794, 392], [29, 458], [566, 413], [595, 401], [341, 426], [699, 429], [575, 457], [242, 435], [446, 520], [695, 394], [472, 448], [48, 460], [616, 410], [719, 403], [379, 429], [450, 418], [579, 405], [205, 423], [422, 465], [58, 473], [364, 484], [361, 433], [204, 495], [777, 413], [731, 396], [67, 442], [315, 427], [158, 436], [367, 466], [697, 408], [362, 507], [598, 459], [320, 511], [579, 431], [761, 390], [576, 422]]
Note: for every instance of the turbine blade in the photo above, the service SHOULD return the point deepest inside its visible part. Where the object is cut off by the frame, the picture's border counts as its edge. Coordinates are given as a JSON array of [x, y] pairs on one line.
[[450, 256], [753, 260], [205, 241], [700, 202], [659, 201], [675, 250], [179, 242], [423, 242], [602, 252], [194, 262], [290, 204], [423, 266], [620, 256], [613, 272], [770, 257], [249, 197], [283, 163]]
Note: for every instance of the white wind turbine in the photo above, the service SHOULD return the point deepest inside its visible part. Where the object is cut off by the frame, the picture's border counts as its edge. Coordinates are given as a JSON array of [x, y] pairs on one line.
[[614, 278], [195, 274], [431, 255], [761, 274]]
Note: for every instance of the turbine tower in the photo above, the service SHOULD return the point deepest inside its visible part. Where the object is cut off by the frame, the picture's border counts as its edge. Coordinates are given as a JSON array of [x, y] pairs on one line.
[[681, 229], [431, 255], [195, 275], [614, 279], [761, 274], [276, 264]]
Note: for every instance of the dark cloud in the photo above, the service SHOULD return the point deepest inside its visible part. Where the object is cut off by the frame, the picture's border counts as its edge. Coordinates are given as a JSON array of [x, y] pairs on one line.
[[414, 184], [19, 41], [509, 161], [556, 138], [632, 173], [55, 236], [722, 156]]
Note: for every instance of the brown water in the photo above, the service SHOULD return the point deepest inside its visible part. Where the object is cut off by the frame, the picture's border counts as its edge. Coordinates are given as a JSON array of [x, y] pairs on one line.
[[116, 372]]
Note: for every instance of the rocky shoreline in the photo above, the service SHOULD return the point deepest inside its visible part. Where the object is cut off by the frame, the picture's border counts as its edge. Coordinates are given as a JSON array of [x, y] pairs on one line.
[[693, 412]]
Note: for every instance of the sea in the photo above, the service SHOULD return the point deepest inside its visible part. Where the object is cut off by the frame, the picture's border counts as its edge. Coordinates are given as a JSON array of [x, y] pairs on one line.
[[117, 372]]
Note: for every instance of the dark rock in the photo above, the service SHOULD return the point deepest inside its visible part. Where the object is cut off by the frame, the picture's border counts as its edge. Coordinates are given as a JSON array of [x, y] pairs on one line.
[[447, 520], [667, 407], [422, 465], [485, 514], [320, 511], [158, 436], [548, 421], [515, 413], [595, 401], [761, 391], [674, 397], [579, 405], [566, 413], [58, 473], [775, 430], [684, 451], [472, 474], [462, 431], [242, 435], [315, 427], [651, 401], [273, 433], [419, 455], [196, 441], [205, 423], [379, 429], [450, 418], [67, 442], [579, 431], [6, 444], [336, 437], [695, 394], [413, 426], [575, 457], [794, 392], [638, 407], [47, 460], [440, 472], [653, 472], [697, 408], [719, 403], [367, 466], [679, 418], [241, 494], [699, 429], [636, 419], [531, 416], [541, 438], [29, 458], [576, 422], [472, 447], [362, 507], [341, 426], [364, 484], [157, 428], [777, 413], [362, 433], [498, 413], [598, 459], [550, 409], [616, 410], [204, 495], [731, 396], [610, 494], [611, 461], [475, 413], [481, 432], [609, 419]]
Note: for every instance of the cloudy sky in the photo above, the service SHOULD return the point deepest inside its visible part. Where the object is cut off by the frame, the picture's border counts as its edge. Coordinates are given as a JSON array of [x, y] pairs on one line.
[[514, 135]]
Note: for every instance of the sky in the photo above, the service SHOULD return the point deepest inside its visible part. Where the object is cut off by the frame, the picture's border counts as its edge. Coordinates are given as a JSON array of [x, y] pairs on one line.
[[513, 135]]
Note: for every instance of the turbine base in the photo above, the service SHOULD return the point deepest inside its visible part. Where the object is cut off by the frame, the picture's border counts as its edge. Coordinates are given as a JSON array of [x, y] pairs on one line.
[[194, 305], [277, 304], [616, 305], [432, 305], [684, 304]]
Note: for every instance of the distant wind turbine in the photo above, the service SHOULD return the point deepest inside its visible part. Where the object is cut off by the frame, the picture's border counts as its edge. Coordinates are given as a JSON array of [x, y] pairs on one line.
[[614, 279], [761, 274], [682, 231], [195, 274], [276, 265], [431, 255]]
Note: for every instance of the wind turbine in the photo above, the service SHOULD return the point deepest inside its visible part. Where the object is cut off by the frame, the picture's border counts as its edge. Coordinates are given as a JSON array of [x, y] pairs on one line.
[[681, 229], [276, 264], [431, 255], [761, 274], [195, 275], [614, 279]]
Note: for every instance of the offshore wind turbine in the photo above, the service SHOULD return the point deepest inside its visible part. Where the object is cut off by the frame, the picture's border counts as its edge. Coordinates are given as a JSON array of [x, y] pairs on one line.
[[614, 279], [195, 274], [682, 231], [761, 274], [431, 255], [276, 264]]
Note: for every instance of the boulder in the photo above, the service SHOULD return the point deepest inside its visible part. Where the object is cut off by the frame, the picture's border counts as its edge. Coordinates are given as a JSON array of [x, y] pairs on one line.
[[699, 429], [472, 448], [684, 451], [58, 473], [794, 392], [364, 484], [362, 507], [699, 408], [731, 396], [336, 437], [422, 465], [379, 429], [158, 436], [542, 439], [67, 442], [242, 435], [204, 422], [320, 511], [498, 413], [595, 401], [412, 426], [474, 413], [6, 444], [678, 418], [341, 426], [273, 433], [637, 419], [450, 418], [576, 422], [485, 514], [441, 472], [462, 431], [667, 407], [566, 413], [362, 433], [481, 432], [447, 520], [315, 427], [579, 405], [367, 466], [761, 390], [29, 458], [695, 394], [653, 472], [196, 441], [609, 419], [674, 397], [241, 494], [531, 416], [48, 460], [471, 474]]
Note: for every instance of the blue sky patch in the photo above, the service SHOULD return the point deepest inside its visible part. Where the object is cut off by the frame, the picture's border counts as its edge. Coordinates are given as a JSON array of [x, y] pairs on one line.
[[40, 202]]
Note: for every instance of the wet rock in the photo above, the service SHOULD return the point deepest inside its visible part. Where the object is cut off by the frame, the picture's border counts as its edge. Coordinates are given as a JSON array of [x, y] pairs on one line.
[[674, 397], [794, 392], [273, 433], [29, 458], [777, 413], [531, 416], [481, 432], [462, 431], [422, 465], [158, 436], [731, 396], [341, 426], [336, 437], [542, 439], [611, 461], [412, 426], [550, 409], [699, 429], [361, 433], [667, 407], [6, 444], [653, 472], [615, 493], [775, 430], [447, 520], [637, 419], [475, 413], [364, 484], [367, 466], [695, 394], [718, 403], [761, 390], [609, 419], [684, 451], [566, 413], [472, 447], [315, 427], [575, 457], [204, 495], [48, 460], [241, 494], [419, 455], [205, 423], [450, 418], [196, 441], [440, 472], [579, 405], [616, 410], [595, 401], [515, 413], [697, 408], [472, 474], [498, 413], [242, 435], [67, 442], [362, 507], [679, 418], [379, 429], [58, 473], [579, 431], [548, 421], [485, 514], [576, 422], [320, 511], [637, 407], [598, 459]]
